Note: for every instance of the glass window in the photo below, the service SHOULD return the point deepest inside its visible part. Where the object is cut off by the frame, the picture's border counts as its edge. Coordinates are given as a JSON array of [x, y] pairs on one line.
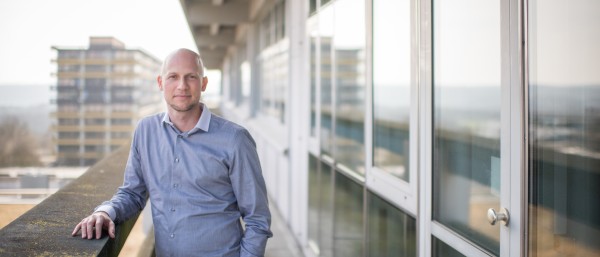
[[95, 135], [120, 121], [68, 107], [349, 57], [564, 120], [68, 54], [326, 211], [391, 86], [68, 82], [246, 76], [68, 68], [280, 12], [68, 135], [122, 94], [122, 107], [348, 237], [62, 121], [274, 66], [313, 84], [466, 117], [95, 68], [442, 249], [314, 196], [120, 134], [312, 6], [94, 148], [98, 54], [90, 121], [325, 71], [391, 231], [68, 148], [97, 84]]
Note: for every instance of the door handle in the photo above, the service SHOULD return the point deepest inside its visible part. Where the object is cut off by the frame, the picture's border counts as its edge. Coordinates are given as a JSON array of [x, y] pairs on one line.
[[494, 216]]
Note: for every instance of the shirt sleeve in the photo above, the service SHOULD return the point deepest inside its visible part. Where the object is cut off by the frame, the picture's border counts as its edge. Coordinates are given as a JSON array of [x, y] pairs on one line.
[[251, 193], [132, 195], [108, 209]]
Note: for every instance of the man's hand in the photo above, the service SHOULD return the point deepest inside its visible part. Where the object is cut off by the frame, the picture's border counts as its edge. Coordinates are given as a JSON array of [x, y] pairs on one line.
[[97, 221]]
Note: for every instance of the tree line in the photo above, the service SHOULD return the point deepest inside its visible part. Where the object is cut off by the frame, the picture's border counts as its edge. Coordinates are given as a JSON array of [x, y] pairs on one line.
[[18, 147]]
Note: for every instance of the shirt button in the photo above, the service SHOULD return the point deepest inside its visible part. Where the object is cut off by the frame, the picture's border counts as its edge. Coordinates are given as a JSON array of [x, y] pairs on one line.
[[176, 159], [172, 235], [172, 209], [175, 185], [179, 136]]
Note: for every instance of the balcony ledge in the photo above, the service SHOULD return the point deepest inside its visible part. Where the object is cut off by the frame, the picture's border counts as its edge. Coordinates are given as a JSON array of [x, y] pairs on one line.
[[46, 229]]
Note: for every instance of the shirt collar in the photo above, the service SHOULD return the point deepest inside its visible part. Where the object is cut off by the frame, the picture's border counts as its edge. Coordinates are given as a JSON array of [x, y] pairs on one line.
[[202, 124]]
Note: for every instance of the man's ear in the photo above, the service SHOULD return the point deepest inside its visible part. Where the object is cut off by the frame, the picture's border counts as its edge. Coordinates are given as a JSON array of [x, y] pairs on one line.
[[204, 83], [159, 81]]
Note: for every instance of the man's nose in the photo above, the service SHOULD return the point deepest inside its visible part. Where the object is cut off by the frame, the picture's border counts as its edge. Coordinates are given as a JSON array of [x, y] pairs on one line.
[[182, 84]]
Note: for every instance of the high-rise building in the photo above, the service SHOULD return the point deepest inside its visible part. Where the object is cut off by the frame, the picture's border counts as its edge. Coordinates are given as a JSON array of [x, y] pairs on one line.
[[101, 93]]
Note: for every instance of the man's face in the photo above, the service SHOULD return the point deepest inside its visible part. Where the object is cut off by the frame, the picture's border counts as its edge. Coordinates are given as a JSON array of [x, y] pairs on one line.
[[181, 82]]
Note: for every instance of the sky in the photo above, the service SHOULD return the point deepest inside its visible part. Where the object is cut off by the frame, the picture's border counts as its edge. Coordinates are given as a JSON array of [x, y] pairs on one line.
[[29, 29]]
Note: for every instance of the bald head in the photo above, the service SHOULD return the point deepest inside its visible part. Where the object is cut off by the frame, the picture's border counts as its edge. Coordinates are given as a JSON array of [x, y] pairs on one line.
[[182, 52]]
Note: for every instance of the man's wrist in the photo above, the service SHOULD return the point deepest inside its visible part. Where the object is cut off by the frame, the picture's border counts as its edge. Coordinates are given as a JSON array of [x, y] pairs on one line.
[[103, 213], [109, 210]]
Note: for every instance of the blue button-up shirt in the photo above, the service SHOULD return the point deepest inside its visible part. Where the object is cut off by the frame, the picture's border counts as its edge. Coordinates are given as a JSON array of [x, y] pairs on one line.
[[200, 183]]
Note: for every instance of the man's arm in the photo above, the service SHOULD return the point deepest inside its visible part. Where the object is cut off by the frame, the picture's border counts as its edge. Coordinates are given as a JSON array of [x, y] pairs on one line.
[[251, 193], [129, 200], [132, 195]]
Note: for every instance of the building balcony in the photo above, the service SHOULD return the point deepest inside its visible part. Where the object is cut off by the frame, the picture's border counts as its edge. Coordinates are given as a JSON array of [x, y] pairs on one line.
[[67, 74], [121, 128], [67, 61], [122, 115], [119, 141], [93, 155], [95, 128], [72, 155], [67, 141], [97, 61], [64, 128], [95, 114], [64, 114], [93, 141]]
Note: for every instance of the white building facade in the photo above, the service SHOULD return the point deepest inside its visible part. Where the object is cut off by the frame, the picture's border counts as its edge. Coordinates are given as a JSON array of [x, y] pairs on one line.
[[418, 128]]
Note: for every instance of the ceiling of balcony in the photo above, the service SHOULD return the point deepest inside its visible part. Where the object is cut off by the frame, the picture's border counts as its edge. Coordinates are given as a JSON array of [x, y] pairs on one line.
[[216, 25]]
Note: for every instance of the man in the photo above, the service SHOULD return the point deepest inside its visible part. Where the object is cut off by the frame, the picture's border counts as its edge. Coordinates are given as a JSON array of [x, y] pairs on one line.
[[200, 171]]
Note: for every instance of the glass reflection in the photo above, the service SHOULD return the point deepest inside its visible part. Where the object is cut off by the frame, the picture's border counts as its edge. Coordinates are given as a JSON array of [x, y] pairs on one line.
[[349, 53], [391, 86], [326, 211], [325, 70], [564, 120], [441, 249], [314, 193], [466, 84], [348, 239], [391, 231], [313, 37]]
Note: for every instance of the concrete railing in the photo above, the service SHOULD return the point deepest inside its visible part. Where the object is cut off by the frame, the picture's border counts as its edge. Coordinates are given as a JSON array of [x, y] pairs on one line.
[[46, 229]]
